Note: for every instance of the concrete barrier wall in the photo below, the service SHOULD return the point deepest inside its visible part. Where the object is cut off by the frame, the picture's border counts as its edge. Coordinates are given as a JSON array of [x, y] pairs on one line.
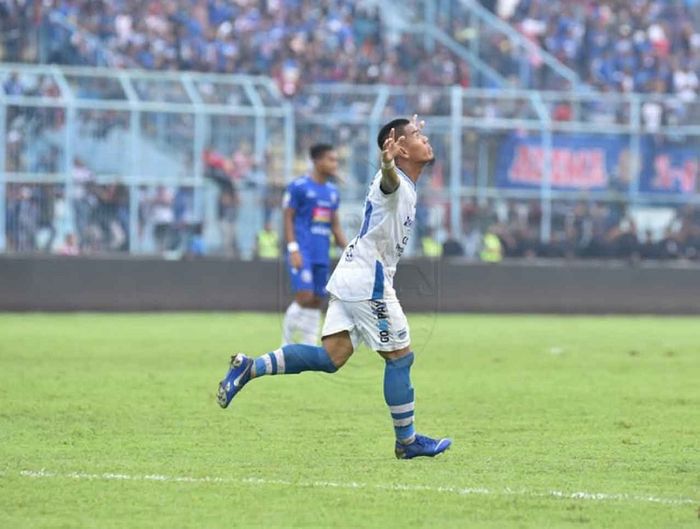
[[58, 284]]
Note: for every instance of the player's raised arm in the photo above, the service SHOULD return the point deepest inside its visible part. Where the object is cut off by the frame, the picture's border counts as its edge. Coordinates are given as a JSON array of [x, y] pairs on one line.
[[391, 148]]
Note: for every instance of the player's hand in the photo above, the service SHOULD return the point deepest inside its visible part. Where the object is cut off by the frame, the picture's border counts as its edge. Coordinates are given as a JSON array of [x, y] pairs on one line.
[[418, 124], [295, 259], [392, 146]]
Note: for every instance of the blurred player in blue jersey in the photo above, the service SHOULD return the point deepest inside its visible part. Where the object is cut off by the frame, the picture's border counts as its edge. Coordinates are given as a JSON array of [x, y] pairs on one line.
[[310, 217], [363, 305]]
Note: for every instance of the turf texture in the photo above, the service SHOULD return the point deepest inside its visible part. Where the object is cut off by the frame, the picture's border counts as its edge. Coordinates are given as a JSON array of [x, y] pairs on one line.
[[110, 421]]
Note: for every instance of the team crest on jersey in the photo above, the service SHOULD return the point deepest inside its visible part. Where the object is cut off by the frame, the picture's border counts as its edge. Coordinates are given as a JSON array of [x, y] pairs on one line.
[[349, 252], [321, 215]]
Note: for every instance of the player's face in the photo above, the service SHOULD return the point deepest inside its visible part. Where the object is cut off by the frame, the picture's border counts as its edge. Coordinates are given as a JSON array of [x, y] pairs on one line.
[[327, 164], [417, 144]]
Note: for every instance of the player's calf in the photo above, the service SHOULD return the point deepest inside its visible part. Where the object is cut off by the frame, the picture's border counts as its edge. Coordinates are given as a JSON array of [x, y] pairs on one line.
[[288, 360]]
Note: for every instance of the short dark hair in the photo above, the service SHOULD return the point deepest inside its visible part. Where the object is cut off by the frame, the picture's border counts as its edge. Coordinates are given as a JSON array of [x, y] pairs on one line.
[[398, 124], [319, 149]]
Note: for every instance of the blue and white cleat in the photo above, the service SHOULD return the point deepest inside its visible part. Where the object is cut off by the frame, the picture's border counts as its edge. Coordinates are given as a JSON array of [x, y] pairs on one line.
[[422, 446], [238, 376]]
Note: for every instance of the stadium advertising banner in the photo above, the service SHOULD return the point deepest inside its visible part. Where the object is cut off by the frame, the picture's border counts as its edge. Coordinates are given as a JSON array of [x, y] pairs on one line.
[[592, 162], [579, 162], [668, 170]]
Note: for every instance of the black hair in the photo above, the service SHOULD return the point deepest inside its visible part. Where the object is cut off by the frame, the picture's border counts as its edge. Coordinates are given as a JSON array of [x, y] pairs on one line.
[[397, 124], [318, 150]]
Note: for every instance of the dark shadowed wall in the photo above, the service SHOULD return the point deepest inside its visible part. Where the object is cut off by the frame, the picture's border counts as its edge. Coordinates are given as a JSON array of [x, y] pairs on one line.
[[57, 284]]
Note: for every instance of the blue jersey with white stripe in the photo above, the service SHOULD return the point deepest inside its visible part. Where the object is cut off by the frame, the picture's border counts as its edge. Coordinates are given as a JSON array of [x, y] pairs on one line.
[[314, 205], [367, 267]]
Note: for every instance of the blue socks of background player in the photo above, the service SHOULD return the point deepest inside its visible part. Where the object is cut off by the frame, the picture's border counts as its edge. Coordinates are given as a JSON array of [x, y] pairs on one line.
[[398, 394], [293, 359]]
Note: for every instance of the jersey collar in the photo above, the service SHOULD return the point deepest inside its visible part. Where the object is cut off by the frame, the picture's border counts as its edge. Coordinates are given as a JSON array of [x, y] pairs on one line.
[[405, 177], [314, 182]]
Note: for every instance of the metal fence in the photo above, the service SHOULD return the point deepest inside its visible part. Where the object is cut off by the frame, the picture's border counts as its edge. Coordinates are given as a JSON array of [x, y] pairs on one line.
[[553, 174], [98, 160], [176, 164]]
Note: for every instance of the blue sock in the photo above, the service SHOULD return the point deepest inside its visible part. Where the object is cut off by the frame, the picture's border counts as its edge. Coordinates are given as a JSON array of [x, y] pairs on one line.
[[293, 359], [398, 394]]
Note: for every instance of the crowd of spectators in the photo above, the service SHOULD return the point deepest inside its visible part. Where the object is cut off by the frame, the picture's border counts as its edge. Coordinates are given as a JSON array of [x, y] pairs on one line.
[[618, 45], [99, 212], [579, 230], [18, 30], [626, 46], [94, 217], [166, 223], [293, 41], [646, 46], [615, 46], [36, 220]]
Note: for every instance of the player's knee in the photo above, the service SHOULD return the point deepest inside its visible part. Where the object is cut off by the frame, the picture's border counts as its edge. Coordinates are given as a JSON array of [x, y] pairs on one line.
[[316, 302], [340, 358], [305, 299], [396, 355], [339, 348]]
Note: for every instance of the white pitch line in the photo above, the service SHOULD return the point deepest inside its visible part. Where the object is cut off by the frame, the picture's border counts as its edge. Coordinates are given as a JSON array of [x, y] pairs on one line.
[[397, 487]]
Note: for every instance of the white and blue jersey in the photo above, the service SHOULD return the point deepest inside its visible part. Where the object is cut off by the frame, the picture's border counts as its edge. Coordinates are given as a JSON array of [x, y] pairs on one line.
[[314, 205], [367, 267]]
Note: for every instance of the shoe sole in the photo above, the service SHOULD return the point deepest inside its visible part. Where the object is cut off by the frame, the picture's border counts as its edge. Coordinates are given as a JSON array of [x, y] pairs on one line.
[[222, 394]]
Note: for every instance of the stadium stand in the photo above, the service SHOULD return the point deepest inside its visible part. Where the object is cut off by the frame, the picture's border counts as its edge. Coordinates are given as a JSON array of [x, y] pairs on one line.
[[293, 41], [641, 46], [645, 46]]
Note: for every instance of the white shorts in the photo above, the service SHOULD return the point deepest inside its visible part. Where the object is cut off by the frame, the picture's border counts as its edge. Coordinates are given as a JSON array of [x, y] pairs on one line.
[[380, 324]]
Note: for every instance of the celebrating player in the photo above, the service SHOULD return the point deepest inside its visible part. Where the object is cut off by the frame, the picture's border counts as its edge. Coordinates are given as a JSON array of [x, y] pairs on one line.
[[363, 305], [310, 217]]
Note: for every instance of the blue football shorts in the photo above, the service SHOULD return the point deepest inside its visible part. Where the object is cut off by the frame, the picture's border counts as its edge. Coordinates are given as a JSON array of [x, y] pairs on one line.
[[311, 276]]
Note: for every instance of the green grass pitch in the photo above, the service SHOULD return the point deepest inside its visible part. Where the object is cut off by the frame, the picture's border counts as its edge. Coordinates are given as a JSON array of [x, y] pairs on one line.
[[110, 421]]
